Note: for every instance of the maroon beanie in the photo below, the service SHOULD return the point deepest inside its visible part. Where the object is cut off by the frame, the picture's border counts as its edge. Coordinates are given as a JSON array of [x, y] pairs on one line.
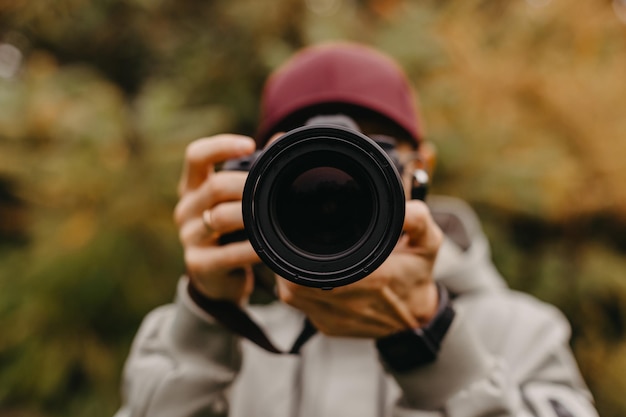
[[339, 73]]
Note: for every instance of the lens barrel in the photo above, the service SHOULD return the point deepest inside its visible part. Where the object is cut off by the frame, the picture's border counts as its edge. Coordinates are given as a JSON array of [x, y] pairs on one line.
[[323, 206]]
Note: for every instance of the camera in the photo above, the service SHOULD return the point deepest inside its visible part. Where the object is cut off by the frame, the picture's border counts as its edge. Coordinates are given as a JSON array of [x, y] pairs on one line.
[[323, 205]]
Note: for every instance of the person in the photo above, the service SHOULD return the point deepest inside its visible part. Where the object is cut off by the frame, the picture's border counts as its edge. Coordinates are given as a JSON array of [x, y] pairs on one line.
[[433, 331]]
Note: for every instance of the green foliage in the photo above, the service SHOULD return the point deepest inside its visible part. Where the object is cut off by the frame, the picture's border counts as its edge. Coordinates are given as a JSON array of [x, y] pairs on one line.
[[522, 102]]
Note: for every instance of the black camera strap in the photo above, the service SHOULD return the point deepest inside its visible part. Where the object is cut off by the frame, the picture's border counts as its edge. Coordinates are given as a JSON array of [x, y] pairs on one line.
[[235, 319]]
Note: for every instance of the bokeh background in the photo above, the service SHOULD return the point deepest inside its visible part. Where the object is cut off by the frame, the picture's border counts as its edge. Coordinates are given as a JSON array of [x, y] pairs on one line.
[[98, 99]]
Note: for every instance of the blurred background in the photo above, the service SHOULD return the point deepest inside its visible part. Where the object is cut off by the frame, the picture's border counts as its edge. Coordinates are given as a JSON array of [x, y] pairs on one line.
[[98, 100]]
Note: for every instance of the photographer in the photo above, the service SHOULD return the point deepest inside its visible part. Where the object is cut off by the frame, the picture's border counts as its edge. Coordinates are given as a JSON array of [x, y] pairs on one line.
[[432, 331]]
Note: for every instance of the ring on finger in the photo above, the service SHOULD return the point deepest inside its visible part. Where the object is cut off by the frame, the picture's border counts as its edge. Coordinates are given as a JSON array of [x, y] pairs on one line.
[[207, 220]]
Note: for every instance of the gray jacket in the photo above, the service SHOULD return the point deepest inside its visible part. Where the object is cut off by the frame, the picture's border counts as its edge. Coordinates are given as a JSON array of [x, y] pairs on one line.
[[506, 354]]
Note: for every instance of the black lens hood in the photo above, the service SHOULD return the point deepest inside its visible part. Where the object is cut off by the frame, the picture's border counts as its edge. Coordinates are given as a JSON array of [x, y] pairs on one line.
[[387, 205]]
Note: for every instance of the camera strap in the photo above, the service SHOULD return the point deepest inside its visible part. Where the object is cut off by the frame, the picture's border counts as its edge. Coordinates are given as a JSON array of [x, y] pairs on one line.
[[237, 320]]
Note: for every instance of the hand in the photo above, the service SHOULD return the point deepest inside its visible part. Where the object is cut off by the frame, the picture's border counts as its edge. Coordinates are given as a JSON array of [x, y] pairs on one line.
[[217, 271], [399, 295]]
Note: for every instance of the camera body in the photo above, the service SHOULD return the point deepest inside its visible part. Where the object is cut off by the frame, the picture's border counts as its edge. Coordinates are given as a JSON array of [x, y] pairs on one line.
[[323, 205]]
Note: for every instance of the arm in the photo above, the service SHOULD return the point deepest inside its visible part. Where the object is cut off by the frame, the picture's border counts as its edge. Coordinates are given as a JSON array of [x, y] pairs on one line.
[[181, 363], [505, 355]]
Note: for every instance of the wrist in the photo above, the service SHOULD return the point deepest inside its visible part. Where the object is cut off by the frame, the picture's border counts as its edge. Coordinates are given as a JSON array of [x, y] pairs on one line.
[[413, 348], [209, 304], [215, 289]]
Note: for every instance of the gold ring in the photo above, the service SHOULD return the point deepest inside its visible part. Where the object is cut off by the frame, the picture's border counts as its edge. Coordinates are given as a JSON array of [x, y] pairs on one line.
[[207, 221]]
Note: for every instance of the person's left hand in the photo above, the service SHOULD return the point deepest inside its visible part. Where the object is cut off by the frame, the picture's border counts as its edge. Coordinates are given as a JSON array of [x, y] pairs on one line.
[[399, 295]]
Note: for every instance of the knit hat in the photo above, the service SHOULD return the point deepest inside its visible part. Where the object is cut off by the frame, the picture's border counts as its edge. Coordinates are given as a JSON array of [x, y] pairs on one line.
[[339, 74]]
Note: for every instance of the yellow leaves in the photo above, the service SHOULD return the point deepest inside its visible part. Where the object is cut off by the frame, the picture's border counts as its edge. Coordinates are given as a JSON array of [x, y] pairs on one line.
[[61, 104], [77, 231], [540, 94]]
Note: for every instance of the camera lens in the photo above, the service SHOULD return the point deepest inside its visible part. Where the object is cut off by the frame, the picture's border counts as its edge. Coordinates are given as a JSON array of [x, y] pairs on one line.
[[323, 206], [324, 210]]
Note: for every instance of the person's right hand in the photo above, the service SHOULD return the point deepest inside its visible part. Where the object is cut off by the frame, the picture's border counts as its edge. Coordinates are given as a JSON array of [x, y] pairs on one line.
[[218, 271]]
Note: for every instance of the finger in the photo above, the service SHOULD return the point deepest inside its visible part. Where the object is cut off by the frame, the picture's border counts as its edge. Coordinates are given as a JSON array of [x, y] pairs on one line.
[[224, 218], [374, 306], [227, 217], [423, 304], [202, 155], [221, 187], [203, 260], [400, 309], [343, 295], [328, 323], [422, 231], [194, 232], [379, 294], [335, 319]]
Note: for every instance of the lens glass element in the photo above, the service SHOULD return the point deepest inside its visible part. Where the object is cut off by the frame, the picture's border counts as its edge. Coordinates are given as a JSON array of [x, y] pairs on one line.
[[324, 210]]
